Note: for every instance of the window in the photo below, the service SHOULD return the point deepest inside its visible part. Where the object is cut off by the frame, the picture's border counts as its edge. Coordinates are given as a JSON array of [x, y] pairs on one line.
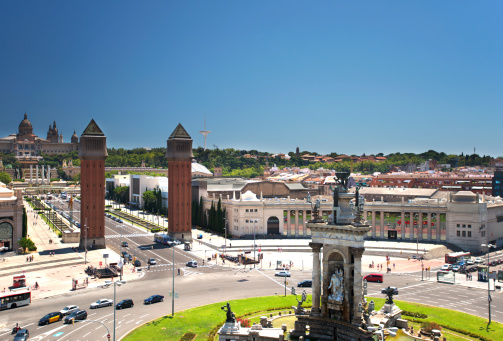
[[458, 225], [247, 210], [469, 226], [483, 233], [247, 221], [464, 234], [256, 210], [458, 233], [469, 233], [464, 225]]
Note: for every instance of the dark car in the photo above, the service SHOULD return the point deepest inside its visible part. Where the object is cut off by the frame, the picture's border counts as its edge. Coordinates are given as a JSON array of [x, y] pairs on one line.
[[127, 303], [191, 264], [395, 290], [125, 244], [154, 299], [137, 263], [22, 335], [78, 315], [307, 283], [50, 318]]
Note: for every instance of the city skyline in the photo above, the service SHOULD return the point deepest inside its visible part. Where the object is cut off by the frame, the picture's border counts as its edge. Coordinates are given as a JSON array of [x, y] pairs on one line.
[[350, 78]]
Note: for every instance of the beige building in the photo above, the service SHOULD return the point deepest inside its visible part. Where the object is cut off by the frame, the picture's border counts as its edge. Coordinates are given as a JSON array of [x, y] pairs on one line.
[[11, 218]]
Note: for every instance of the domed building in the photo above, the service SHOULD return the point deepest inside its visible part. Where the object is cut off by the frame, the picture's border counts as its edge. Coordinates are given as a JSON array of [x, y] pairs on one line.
[[28, 147]]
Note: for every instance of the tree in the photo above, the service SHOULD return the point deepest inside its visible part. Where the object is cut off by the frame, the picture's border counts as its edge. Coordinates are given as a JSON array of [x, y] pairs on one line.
[[26, 243], [150, 200], [5, 178]]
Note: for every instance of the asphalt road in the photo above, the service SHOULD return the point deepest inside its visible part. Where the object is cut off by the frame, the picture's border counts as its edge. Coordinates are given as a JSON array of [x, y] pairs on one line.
[[205, 285]]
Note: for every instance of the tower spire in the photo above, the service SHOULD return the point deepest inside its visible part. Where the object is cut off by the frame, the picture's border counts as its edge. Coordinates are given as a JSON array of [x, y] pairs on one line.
[[205, 132]]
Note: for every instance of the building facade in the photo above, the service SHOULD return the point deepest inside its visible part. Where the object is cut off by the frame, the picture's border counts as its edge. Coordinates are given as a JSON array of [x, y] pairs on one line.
[[11, 217]]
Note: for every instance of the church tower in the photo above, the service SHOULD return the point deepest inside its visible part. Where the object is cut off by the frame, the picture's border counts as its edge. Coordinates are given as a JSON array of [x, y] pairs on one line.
[[179, 156], [92, 155]]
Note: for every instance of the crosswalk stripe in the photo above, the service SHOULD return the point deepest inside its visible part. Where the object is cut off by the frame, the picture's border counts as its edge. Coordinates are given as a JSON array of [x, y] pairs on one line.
[[130, 235]]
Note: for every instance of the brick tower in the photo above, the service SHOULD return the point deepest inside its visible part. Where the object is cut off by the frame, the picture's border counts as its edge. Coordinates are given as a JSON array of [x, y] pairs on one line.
[[179, 156], [92, 155]]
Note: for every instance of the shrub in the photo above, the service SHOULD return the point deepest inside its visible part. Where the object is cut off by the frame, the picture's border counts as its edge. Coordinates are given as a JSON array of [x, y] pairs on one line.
[[244, 322], [428, 326], [60, 234], [414, 314], [32, 248], [108, 205], [188, 337], [155, 230]]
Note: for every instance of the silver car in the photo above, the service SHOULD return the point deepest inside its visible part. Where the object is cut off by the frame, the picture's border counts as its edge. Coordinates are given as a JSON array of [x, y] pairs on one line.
[[104, 302], [69, 309]]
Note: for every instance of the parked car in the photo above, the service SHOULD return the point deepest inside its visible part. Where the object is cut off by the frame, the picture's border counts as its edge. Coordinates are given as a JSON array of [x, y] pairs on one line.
[[395, 290], [127, 303], [307, 283], [470, 262], [104, 302], [22, 335], [478, 260], [192, 264], [282, 274], [456, 268], [78, 315], [153, 299], [374, 278], [119, 221], [151, 261], [124, 244], [50, 318], [137, 263], [69, 309], [446, 267]]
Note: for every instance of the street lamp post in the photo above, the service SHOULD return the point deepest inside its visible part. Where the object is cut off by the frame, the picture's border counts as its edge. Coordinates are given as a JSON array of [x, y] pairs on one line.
[[173, 294], [489, 246], [120, 255], [119, 283], [85, 242]]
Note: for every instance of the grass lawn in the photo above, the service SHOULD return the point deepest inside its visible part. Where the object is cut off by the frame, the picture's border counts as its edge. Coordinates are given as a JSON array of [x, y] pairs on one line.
[[202, 320]]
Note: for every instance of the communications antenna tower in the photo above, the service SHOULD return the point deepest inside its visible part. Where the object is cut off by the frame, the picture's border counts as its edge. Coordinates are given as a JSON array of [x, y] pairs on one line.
[[205, 133]]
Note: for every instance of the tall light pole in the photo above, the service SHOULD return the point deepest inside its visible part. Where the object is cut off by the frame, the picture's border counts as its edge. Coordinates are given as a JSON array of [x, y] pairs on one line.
[[173, 293], [121, 261], [489, 246], [119, 283], [85, 254], [225, 235]]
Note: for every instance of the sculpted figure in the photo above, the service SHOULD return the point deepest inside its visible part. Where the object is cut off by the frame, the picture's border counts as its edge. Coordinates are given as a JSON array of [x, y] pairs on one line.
[[337, 286]]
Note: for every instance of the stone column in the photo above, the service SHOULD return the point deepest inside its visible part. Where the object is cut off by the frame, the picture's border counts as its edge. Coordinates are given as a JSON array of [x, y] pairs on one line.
[[49, 174], [304, 220], [438, 227], [296, 223], [381, 224], [402, 226], [420, 226], [429, 226], [357, 284], [36, 175], [411, 225], [31, 174], [374, 224], [288, 223], [42, 173], [315, 310]]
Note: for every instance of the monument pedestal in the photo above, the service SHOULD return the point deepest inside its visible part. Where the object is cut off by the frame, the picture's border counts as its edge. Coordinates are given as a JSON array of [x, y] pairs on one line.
[[230, 328], [390, 314]]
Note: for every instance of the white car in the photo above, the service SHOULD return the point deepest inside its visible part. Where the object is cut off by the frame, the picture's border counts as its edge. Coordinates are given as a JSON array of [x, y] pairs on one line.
[[282, 274], [470, 262], [478, 260], [3, 248], [69, 309], [456, 268], [446, 267], [104, 302]]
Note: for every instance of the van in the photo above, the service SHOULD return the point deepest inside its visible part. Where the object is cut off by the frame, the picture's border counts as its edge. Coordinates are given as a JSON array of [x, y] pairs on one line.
[[127, 303], [374, 278]]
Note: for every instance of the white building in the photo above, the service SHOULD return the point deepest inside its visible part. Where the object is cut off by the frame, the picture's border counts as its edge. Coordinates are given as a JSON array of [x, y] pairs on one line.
[[11, 217]]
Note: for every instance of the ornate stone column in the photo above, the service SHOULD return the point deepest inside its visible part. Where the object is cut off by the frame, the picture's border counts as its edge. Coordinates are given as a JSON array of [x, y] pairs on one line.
[[357, 284], [439, 230], [429, 226], [296, 223], [315, 310], [49, 174], [42, 173], [402, 225], [288, 223], [304, 220], [381, 224], [411, 225], [374, 224], [31, 174], [36, 175], [420, 226]]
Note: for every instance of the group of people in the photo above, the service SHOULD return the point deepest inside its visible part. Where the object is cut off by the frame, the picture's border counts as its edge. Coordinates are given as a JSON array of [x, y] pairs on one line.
[[52, 253], [29, 258], [468, 276]]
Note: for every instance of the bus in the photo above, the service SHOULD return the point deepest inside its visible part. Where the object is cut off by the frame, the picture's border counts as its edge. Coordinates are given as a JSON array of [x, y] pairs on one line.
[[457, 257], [15, 298], [162, 238]]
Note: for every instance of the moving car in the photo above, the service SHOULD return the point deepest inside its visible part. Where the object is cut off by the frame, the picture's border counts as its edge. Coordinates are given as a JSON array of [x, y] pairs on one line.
[[199, 236], [104, 302], [282, 274], [446, 267], [478, 260], [127, 303], [22, 335], [191, 264], [307, 283], [78, 315], [153, 299], [470, 262], [125, 244], [151, 261], [374, 278], [456, 268], [395, 290], [137, 263], [69, 309], [50, 318]]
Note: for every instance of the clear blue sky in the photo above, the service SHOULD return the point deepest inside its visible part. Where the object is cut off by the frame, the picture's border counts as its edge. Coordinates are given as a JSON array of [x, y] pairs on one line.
[[351, 77]]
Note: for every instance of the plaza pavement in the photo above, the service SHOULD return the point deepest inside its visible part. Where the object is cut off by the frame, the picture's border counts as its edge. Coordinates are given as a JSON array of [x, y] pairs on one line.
[[54, 274]]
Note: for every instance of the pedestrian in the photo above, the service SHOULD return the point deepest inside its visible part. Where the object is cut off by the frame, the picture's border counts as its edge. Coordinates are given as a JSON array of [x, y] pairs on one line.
[[178, 271], [230, 244], [270, 263], [393, 266], [409, 259], [26, 258]]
